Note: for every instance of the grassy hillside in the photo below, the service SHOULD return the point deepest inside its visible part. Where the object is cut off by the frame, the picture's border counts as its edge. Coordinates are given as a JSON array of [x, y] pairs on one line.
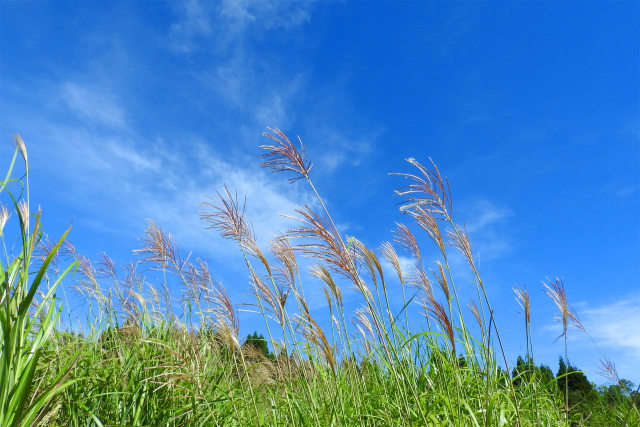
[[152, 357]]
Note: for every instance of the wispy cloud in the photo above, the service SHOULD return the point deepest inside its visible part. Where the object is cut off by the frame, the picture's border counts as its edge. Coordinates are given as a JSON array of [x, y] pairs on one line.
[[157, 182], [193, 22], [264, 91], [94, 103], [122, 175], [626, 191], [266, 13], [406, 265], [342, 148], [261, 95], [258, 88], [614, 324], [332, 160], [484, 214], [485, 221], [223, 24], [611, 332]]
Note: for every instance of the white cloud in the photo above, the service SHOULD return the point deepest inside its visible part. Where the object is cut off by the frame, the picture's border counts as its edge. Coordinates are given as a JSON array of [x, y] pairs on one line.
[[614, 325], [271, 110], [261, 94], [264, 91], [93, 103], [224, 24], [611, 333], [126, 154], [406, 265], [342, 148], [626, 191], [333, 159], [194, 20], [484, 214], [122, 177], [267, 13], [485, 223], [157, 182]]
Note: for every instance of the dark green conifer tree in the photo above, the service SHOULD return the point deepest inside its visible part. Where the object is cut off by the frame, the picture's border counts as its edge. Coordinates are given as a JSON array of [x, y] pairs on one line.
[[258, 342]]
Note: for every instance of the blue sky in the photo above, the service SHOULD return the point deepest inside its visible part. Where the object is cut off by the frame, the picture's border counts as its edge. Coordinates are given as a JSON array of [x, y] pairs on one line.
[[137, 110]]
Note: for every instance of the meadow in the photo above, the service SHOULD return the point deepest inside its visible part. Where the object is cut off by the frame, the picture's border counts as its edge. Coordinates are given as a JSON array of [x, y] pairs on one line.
[[161, 344]]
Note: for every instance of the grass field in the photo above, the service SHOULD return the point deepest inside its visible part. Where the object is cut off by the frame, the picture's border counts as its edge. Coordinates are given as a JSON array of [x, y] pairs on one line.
[[154, 359]]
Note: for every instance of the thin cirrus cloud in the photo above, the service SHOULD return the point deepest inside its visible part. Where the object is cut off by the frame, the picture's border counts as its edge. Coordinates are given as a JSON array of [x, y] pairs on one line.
[[113, 170], [116, 167], [610, 333], [265, 93], [111, 165], [485, 221], [262, 91], [93, 103], [226, 22], [194, 22], [485, 214], [612, 326]]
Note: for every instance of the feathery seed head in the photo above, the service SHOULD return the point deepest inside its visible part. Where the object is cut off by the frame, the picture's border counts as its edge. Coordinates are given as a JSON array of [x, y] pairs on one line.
[[428, 190], [107, 267], [370, 260], [425, 219], [274, 307], [443, 282], [327, 297], [405, 238], [473, 308], [435, 310], [315, 335], [323, 273], [608, 370], [225, 321], [23, 209], [459, 239], [227, 218], [22, 148], [389, 253], [522, 296], [364, 326], [281, 248], [87, 284], [284, 156], [361, 317], [325, 244], [160, 248], [420, 280], [4, 217], [556, 290]]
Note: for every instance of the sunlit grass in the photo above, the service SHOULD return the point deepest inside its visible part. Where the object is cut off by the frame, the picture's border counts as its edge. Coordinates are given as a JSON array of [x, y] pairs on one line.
[[161, 342]]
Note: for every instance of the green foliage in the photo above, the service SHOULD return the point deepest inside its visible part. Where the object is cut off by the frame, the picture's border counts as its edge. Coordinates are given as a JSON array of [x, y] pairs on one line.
[[546, 375], [522, 372], [28, 316], [258, 343], [580, 389], [149, 360]]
